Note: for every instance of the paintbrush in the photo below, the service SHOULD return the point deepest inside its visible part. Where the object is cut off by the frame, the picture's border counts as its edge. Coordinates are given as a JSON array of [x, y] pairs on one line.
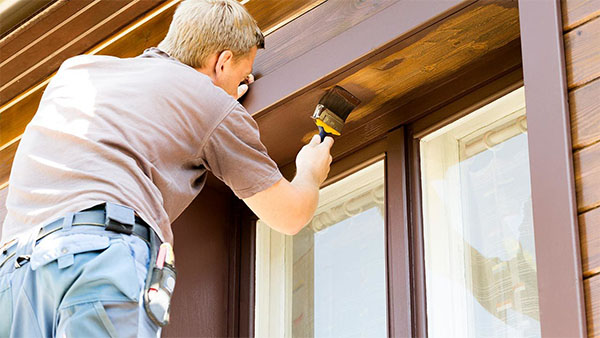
[[332, 111]]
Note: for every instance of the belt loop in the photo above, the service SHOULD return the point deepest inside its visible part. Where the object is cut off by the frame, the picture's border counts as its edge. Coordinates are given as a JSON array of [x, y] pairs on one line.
[[68, 221], [24, 248]]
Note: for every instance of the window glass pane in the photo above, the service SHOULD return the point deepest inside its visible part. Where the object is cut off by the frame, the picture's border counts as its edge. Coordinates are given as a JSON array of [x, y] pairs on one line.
[[478, 229], [333, 270]]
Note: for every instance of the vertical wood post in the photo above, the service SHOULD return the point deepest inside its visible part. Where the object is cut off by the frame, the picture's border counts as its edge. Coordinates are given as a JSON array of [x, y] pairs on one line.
[[561, 301]]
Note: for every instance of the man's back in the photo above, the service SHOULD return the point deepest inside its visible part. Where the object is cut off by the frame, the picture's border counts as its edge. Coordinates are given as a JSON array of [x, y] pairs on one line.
[[128, 131]]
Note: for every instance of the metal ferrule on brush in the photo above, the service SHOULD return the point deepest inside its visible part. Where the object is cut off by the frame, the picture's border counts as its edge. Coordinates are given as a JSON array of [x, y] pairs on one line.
[[329, 118]]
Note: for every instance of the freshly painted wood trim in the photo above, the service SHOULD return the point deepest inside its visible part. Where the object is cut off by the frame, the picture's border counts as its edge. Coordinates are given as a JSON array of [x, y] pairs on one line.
[[561, 301], [585, 114], [582, 51], [313, 29], [457, 109], [577, 12], [351, 47], [419, 290], [399, 269], [247, 226]]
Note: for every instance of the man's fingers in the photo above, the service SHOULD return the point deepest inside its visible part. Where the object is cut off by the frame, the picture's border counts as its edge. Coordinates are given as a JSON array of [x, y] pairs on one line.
[[328, 142], [242, 89], [315, 140]]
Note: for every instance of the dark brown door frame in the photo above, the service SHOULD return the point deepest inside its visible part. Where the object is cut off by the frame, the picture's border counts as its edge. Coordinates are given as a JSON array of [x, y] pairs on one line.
[[560, 280]]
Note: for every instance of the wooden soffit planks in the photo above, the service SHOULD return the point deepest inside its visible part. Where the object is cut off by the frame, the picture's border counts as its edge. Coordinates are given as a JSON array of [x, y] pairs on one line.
[[65, 29], [479, 39]]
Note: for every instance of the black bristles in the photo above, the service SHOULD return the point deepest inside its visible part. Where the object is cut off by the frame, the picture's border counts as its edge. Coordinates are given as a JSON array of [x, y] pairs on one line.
[[339, 101]]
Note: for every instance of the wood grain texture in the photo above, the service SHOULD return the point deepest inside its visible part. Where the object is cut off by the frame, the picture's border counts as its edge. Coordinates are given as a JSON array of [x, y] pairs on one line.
[[577, 12], [332, 18], [80, 32], [7, 155], [584, 105], [589, 233], [412, 80], [592, 305], [31, 30], [460, 40], [587, 177], [273, 13], [3, 193], [14, 118], [582, 54]]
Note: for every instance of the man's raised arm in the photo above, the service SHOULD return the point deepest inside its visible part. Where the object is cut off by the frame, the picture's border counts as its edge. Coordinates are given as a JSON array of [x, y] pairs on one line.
[[288, 206]]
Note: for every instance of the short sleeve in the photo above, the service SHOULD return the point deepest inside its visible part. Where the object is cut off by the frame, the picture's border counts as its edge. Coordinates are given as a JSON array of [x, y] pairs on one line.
[[234, 153]]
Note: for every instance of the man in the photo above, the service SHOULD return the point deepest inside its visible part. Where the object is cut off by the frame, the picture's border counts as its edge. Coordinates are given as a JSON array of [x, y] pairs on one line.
[[121, 144]]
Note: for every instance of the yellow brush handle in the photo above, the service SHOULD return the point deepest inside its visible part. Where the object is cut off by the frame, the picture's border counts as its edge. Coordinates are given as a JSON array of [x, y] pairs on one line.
[[327, 128]]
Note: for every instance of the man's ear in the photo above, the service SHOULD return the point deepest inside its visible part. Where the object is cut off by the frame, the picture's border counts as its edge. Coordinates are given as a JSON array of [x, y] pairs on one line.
[[223, 59]]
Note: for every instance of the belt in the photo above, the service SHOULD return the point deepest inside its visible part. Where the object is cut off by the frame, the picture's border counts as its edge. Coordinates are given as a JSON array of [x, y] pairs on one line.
[[112, 217]]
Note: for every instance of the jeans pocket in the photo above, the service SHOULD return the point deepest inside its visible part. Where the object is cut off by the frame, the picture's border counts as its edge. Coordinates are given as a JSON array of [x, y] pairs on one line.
[[66, 246], [6, 310]]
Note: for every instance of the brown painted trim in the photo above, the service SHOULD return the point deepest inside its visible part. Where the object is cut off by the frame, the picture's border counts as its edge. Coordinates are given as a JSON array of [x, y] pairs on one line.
[[474, 100], [560, 285], [397, 238], [247, 271], [452, 111], [418, 286], [233, 292]]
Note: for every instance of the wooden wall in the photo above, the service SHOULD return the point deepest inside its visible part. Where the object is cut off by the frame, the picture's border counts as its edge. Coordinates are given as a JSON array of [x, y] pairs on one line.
[[581, 24], [200, 304]]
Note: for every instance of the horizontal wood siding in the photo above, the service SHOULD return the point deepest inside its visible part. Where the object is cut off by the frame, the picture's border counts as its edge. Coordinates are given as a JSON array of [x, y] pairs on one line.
[[577, 12], [581, 23], [585, 114], [581, 54]]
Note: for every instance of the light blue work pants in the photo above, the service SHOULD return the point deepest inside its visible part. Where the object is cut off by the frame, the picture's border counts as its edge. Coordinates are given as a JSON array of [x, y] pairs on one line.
[[83, 281]]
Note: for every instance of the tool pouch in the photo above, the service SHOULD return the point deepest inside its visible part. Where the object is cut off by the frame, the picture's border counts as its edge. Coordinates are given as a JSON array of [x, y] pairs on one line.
[[160, 283]]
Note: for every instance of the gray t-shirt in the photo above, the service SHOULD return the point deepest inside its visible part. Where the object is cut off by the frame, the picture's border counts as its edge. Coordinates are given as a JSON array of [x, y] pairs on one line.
[[141, 132]]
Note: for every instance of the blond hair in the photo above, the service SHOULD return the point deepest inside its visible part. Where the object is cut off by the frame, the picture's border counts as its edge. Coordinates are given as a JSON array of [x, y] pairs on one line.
[[203, 27]]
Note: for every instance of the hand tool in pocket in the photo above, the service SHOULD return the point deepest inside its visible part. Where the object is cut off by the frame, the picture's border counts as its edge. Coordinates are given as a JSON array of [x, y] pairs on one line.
[[160, 284]]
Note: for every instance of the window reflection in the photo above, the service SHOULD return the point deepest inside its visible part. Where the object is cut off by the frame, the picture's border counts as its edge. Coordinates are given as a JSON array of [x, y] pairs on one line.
[[335, 267], [478, 230]]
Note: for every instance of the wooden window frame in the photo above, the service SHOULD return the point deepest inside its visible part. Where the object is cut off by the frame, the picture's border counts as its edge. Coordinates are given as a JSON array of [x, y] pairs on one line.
[[560, 280]]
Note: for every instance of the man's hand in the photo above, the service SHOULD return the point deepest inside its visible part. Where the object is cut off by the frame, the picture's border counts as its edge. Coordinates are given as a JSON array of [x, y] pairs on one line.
[[243, 87], [288, 206], [314, 159]]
